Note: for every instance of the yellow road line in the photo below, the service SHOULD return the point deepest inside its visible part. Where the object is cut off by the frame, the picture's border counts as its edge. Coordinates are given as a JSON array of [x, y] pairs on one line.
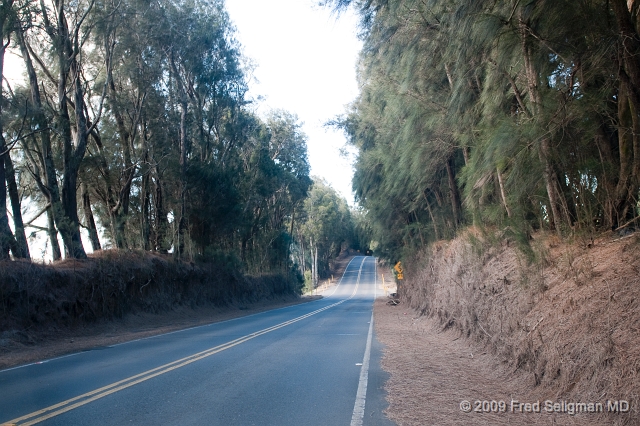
[[78, 401]]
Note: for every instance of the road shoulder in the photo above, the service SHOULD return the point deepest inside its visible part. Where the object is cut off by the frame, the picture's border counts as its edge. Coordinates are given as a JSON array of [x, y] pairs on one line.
[[432, 371]]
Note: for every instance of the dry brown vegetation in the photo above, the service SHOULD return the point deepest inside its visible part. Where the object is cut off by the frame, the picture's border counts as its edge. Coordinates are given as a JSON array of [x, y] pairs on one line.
[[560, 322], [44, 299]]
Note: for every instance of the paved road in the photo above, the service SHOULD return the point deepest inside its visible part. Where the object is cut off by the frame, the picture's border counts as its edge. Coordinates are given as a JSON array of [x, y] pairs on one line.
[[311, 364]]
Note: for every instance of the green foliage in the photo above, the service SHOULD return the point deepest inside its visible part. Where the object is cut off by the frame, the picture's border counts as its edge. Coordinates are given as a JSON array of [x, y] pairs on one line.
[[325, 227], [509, 114], [174, 161]]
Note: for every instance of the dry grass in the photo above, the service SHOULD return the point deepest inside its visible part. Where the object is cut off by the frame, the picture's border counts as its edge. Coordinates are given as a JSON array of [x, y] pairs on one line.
[[213, 296], [37, 299], [57, 342], [432, 371], [565, 327]]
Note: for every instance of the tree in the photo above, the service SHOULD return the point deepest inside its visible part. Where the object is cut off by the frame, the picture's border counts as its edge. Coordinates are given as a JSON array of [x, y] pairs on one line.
[[501, 113], [7, 240], [327, 227]]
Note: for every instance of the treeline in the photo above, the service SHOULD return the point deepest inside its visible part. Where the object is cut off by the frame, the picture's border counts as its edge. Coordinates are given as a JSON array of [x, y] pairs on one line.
[[133, 117], [327, 225], [517, 114]]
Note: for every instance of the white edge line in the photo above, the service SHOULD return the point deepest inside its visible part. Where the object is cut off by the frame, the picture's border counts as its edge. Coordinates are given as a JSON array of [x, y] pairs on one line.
[[361, 395]]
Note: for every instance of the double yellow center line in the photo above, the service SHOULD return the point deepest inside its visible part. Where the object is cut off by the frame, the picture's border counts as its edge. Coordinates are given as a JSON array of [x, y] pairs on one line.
[[78, 401]]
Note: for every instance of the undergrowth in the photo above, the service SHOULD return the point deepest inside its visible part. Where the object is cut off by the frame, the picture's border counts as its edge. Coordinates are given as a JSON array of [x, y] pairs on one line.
[[113, 283]]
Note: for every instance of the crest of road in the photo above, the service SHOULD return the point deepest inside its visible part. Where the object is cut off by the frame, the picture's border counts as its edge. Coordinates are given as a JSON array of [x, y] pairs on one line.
[[315, 363]]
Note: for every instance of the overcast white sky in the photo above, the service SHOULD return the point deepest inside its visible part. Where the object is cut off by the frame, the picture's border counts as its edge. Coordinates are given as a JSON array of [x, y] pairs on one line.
[[306, 64]]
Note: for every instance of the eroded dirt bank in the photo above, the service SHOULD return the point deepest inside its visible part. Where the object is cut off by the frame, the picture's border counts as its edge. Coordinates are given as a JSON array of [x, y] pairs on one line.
[[479, 322]]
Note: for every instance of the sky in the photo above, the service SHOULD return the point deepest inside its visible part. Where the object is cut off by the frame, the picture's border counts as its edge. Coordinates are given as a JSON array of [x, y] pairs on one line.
[[305, 58]]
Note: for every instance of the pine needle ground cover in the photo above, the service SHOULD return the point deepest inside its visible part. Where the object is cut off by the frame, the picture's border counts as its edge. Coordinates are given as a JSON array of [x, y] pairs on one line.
[[497, 326]]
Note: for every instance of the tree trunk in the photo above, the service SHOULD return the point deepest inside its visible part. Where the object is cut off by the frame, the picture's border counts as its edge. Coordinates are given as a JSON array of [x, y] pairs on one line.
[[146, 210], [549, 181], [419, 229], [112, 202], [22, 248], [502, 192], [88, 218], [433, 219], [56, 253], [628, 109], [544, 147], [6, 237], [184, 102], [454, 194], [623, 191], [161, 225], [315, 268], [606, 189], [302, 259], [120, 209], [73, 143], [50, 189], [182, 224]]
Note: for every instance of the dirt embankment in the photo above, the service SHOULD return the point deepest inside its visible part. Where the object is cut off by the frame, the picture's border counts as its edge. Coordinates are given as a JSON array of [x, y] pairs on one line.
[[564, 327], [114, 296]]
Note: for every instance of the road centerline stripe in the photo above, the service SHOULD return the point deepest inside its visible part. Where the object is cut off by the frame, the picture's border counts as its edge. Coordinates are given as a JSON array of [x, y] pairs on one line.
[[80, 400]]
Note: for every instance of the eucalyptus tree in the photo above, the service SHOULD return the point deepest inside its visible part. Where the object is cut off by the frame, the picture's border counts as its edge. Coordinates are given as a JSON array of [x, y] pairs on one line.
[[174, 88], [37, 149], [276, 181], [123, 35], [58, 44], [139, 109], [7, 240], [205, 82]]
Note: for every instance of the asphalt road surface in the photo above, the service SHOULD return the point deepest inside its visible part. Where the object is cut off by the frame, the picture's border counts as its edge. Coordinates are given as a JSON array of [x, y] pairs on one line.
[[311, 364]]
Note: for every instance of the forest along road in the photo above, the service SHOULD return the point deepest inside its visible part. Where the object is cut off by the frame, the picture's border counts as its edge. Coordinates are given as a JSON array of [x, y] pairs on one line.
[[315, 363]]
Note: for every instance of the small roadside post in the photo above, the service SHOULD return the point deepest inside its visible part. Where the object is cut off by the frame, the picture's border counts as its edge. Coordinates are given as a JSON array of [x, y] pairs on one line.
[[399, 273]]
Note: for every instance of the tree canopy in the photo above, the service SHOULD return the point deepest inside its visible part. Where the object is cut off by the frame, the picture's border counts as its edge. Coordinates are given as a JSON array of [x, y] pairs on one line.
[[521, 115], [133, 119]]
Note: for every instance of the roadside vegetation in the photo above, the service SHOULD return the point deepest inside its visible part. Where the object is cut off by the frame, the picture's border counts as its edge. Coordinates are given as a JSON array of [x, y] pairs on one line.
[[133, 116], [518, 115], [498, 157], [133, 126]]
